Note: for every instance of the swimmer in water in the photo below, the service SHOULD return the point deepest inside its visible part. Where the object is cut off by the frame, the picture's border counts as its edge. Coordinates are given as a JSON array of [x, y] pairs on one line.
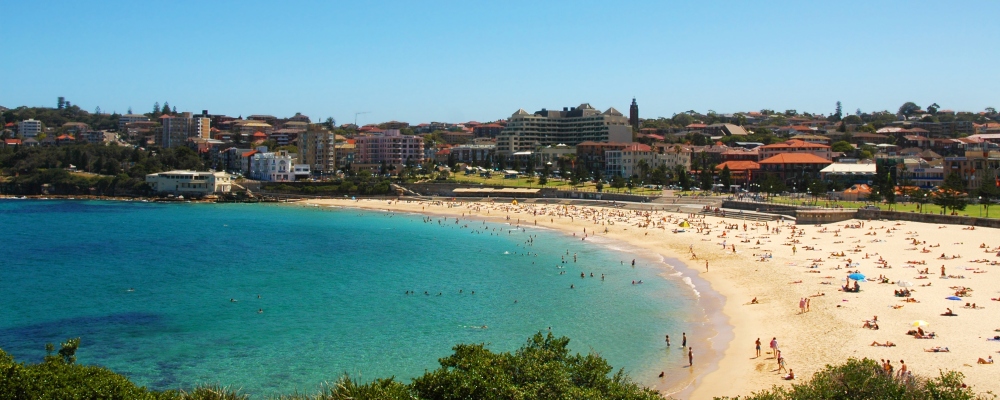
[[232, 300], [260, 311], [131, 289]]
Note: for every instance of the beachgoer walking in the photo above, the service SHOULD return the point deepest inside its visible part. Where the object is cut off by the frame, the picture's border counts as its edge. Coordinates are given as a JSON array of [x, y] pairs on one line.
[[690, 357], [808, 300], [802, 305], [757, 344], [668, 340], [684, 339], [774, 346], [781, 364]]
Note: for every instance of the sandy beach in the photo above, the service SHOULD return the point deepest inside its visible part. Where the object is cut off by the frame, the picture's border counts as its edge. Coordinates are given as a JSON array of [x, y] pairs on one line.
[[782, 265]]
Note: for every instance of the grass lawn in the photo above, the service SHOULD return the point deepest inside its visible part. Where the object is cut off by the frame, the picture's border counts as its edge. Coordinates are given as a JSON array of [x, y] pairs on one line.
[[972, 210], [560, 184]]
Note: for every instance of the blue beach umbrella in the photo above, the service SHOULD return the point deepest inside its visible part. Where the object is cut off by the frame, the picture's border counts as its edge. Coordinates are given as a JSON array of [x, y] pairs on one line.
[[953, 298], [857, 276]]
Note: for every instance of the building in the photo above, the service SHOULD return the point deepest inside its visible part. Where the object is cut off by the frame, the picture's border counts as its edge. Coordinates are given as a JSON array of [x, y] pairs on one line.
[[267, 119], [551, 154], [130, 118], [318, 150], [389, 147], [633, 115], [189, 183], [741, 171], [848, 172], [29, 128], [487, 130], [973, 166], [796, 147], [627, 161], [571, 126], [277, 166], [176, 129], [592, 154], [472, 153], [794, 166]]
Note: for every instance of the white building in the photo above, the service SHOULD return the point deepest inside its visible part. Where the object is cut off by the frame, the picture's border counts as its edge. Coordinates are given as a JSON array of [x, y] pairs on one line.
[[272, 166], [29, 128], [626, 162], [189, 182], [526, 132]]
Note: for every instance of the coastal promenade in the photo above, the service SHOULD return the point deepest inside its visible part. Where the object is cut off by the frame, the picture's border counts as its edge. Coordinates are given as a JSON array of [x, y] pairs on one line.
[[780, 264]]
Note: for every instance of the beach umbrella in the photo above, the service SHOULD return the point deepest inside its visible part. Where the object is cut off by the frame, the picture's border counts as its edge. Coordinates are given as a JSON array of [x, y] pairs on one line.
[[684, 224], [857, 276], [919, 323], [904, 284], [953, 298]]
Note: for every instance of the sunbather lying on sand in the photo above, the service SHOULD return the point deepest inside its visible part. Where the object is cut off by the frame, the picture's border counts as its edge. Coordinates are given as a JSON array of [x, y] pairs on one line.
[[937, 349], [886, 344]]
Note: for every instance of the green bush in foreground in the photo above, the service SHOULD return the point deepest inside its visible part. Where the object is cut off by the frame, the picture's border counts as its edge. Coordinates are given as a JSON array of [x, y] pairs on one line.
[[864, 379], [542, 369]]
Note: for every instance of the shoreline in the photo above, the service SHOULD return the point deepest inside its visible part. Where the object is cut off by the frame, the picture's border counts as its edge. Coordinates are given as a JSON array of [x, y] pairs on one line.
[[712, 334]]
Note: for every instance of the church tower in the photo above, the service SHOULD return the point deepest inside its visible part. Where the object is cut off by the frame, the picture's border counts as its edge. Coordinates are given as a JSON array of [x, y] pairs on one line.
[[633, 115]]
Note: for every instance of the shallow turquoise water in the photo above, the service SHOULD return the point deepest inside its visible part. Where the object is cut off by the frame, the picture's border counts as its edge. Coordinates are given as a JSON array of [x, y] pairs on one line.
[[331, 286]]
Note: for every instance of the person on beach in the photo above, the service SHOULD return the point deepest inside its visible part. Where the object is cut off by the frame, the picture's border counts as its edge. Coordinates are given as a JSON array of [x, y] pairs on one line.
[[706, 265], [668, 340], [684, 339], [781, 364], [790, 376], [757, 344], [774, 346], [690, 357]]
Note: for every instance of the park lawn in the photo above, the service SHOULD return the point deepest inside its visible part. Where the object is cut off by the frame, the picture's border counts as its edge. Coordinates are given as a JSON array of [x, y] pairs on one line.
[[972, 210], [560, 184]]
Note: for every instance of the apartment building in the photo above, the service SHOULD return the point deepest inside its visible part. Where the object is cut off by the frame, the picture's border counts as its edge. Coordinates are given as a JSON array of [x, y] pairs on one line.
[[388, 147], [571, 126], [318, 150], [29, 128]]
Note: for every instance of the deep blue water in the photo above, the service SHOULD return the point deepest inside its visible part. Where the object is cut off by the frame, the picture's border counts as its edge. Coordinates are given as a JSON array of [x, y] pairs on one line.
[[331, 286]]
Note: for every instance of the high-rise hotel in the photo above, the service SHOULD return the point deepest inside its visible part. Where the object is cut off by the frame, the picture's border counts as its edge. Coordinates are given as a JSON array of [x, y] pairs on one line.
[[571, 126]]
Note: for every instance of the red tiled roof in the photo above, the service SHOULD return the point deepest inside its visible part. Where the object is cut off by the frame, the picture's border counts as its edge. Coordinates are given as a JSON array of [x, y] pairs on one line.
[[795, 158], [693, 126], [165, 116], [259, 134], [738, 165], [637, 147], [11, 142], [794, 143], [10, 124], [249, 153], [65, 137]]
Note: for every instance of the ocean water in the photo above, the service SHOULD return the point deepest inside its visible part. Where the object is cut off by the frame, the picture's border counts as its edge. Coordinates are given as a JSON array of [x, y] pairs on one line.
[[148, 288]]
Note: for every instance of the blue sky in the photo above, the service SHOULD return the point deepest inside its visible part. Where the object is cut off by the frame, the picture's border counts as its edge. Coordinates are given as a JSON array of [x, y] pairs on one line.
[[421, 61]]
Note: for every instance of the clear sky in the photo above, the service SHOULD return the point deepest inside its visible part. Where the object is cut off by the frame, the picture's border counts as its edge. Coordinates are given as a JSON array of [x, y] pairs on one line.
[[422, 61]]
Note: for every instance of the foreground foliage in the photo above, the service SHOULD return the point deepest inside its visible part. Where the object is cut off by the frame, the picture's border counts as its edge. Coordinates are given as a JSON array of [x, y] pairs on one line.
[[864, 379], [542, 369]]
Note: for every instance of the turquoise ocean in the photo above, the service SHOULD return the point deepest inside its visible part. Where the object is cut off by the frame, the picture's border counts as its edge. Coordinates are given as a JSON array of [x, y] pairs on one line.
[[167, 294]]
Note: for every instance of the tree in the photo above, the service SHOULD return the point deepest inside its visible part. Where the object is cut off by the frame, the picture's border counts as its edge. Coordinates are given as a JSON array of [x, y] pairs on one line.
[[726, 177], [842, 147], [60, 103], [546, 170], [156, 109], [865, 379], [989, 189], [617, 182], [933, 108], [705, 177], [951, 195], [817, 188], [166, 108], [681, 175], [129, 109], [908, 108], [838, 113], [330, 123], [771, 184]]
